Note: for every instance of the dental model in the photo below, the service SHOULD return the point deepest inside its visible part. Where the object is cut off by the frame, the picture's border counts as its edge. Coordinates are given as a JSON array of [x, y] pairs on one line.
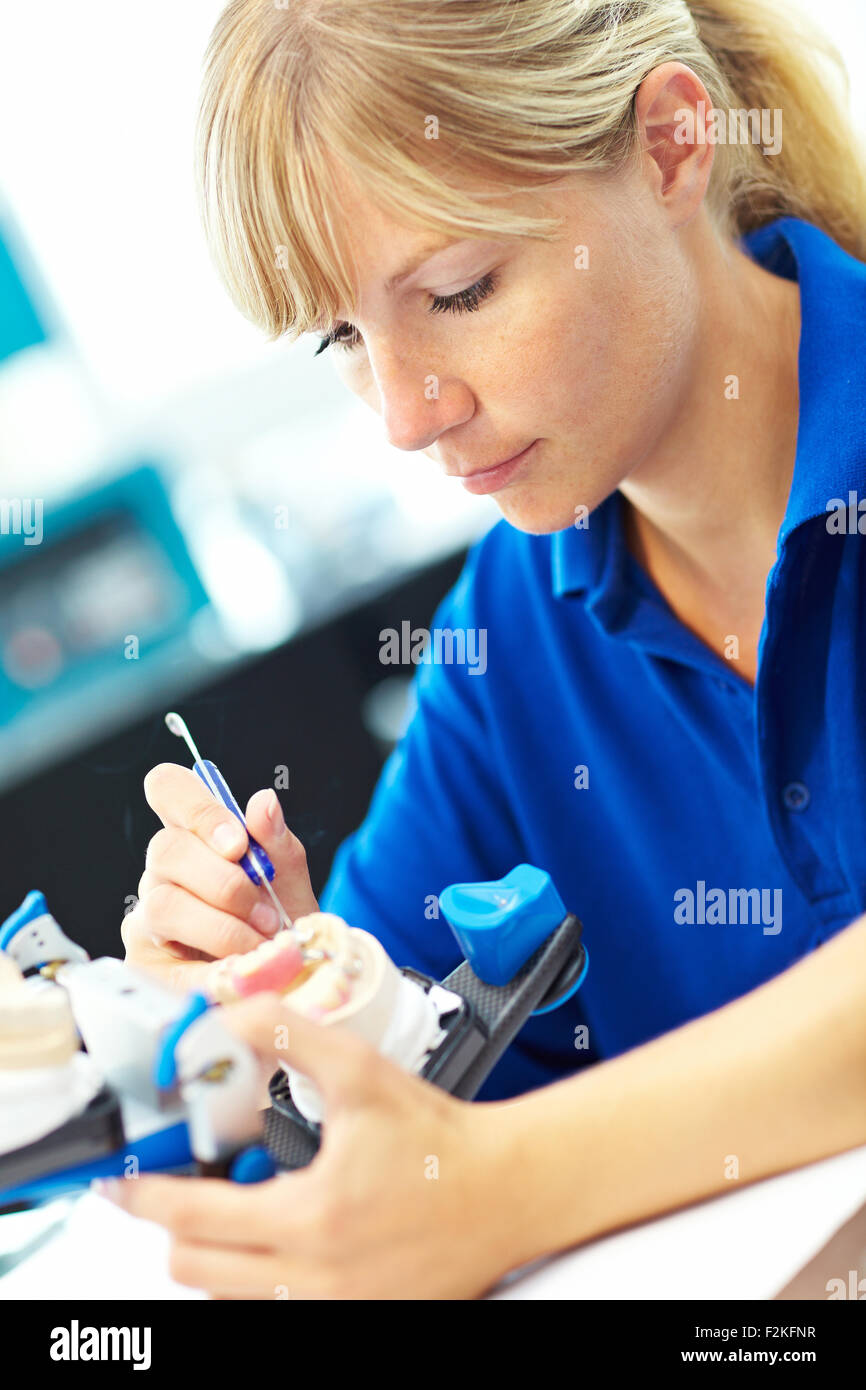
[[36, 1024], [326, 970], [315, 961], [343, 977], [44, 1077]]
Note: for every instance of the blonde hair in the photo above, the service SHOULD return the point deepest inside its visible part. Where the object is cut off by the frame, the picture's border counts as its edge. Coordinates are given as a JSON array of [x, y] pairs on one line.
[[518, 93]]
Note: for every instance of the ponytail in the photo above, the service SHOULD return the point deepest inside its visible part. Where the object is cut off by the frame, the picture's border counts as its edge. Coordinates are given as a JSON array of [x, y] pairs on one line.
[[773, 59]]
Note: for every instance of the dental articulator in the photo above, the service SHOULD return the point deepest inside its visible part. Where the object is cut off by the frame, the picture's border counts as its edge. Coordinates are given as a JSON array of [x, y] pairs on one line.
[[106, 1072]]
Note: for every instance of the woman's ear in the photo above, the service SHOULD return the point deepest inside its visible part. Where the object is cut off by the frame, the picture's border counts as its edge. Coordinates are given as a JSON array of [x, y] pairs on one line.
[[673, 112]]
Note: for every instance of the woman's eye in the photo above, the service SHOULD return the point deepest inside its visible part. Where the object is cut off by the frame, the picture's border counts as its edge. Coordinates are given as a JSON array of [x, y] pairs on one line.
[[464, 302], [344, 335]]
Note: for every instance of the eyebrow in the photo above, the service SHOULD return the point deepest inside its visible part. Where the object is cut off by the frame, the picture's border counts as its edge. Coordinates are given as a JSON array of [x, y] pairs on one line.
[[417, 261]]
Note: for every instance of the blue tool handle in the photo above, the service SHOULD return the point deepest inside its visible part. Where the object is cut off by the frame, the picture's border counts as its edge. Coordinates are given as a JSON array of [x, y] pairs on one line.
[[247, 863]]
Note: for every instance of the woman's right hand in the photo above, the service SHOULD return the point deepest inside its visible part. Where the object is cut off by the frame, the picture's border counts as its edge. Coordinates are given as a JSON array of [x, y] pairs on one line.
[[195, 903]]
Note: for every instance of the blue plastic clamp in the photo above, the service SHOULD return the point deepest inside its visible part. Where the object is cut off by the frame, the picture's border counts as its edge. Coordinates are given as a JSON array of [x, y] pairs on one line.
[[165, 1062], [33, 907], [499, 925]]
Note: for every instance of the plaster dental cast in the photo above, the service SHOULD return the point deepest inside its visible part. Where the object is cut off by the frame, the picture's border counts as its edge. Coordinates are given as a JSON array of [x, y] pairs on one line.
[[483, 212]]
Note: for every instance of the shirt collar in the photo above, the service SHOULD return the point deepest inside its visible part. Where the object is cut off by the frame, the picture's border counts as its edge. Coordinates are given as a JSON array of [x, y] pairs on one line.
[[832, 408]]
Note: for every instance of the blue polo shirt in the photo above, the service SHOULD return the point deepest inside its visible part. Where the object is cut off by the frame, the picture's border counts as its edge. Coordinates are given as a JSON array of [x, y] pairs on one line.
[[708, 833]]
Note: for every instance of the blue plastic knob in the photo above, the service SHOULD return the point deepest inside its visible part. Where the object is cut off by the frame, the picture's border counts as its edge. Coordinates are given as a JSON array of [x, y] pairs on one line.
[[33, 907], [253, 1165], [499, 925]]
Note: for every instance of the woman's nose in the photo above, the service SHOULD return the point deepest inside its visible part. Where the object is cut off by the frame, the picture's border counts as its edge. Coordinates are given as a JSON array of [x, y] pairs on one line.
[[418, 405]]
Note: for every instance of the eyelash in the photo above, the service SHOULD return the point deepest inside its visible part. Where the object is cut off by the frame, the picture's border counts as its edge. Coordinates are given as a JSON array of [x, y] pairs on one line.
[[465, 302]]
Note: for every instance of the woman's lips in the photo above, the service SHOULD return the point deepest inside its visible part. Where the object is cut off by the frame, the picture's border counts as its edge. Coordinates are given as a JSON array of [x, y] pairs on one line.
[[492, 479]]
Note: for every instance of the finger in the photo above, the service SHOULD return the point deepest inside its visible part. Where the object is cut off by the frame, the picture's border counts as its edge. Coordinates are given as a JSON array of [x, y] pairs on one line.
[[232, 1297], [173, 914], [231, 1273], [343, 1067], [179, 857], [209, 1211], [265, 821], [180, 798], [178, 967], [134, 930]]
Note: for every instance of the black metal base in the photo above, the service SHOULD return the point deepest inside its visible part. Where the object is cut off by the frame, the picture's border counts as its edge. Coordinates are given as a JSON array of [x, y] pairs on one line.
[[94, 1134]]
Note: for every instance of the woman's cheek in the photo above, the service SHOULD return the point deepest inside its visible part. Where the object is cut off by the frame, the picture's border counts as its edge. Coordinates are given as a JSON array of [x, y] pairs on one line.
[[353, 369]]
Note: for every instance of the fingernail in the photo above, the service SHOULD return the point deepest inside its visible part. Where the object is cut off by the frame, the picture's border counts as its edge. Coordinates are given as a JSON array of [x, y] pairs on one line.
[[106, 1187], [265, 919], [227, 837], [275, 814]]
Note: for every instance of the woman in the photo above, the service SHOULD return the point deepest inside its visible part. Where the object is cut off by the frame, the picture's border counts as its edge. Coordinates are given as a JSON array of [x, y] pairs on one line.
[[541, 242]]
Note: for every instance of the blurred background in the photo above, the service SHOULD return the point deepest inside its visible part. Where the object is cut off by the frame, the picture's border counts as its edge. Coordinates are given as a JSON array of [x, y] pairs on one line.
[[190, 517]]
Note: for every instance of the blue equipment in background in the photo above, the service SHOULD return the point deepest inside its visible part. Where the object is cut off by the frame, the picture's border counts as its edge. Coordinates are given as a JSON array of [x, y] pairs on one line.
[[96, 619]]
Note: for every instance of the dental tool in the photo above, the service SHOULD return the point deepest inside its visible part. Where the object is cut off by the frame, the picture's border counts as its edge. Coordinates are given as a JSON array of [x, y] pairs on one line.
[[255, 862]]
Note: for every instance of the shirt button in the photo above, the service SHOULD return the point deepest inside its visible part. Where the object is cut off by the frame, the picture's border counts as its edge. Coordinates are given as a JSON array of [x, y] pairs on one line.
[[796, 796]]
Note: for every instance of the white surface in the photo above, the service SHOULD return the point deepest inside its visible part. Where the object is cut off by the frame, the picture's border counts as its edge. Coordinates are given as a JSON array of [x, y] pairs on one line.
[[37, 1100], [745, 1244], [100, 1253]]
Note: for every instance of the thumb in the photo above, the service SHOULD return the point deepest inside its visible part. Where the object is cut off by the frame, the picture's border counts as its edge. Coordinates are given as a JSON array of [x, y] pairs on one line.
[[264, 818], [338, 1062]]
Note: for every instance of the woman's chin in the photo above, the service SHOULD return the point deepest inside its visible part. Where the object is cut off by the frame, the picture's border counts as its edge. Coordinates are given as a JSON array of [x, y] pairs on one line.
[[537, 517]]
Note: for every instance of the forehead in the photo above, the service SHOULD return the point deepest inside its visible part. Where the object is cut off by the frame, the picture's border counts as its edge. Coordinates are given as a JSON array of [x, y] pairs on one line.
[[382, 246], [376, 244]]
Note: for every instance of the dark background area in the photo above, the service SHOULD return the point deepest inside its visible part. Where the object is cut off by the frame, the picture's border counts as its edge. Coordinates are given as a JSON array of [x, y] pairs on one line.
[[79, 830]]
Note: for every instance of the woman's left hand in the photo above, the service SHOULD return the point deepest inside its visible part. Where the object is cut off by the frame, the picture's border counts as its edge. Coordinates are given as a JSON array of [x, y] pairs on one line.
[[413, 1194]]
